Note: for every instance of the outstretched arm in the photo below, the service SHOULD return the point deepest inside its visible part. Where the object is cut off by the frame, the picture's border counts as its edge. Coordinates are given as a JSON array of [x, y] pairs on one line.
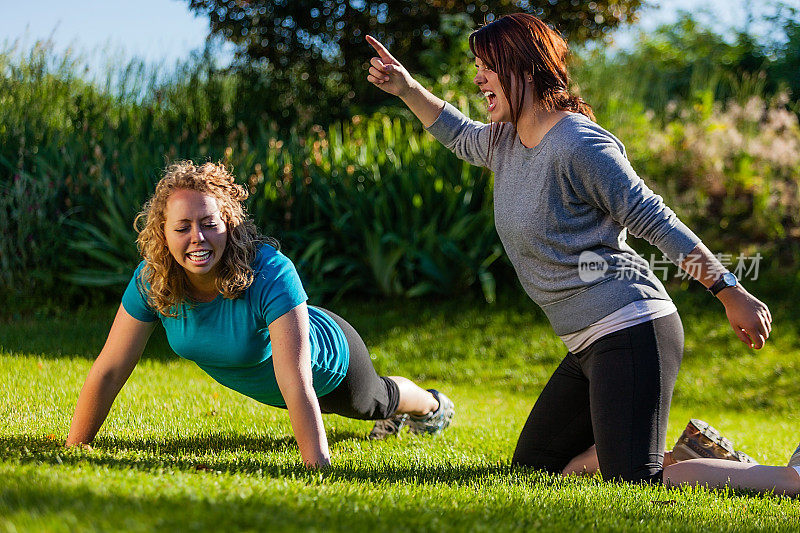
[[386, 73], [110, 371], [749, 317], [291, 359], [468, 139]]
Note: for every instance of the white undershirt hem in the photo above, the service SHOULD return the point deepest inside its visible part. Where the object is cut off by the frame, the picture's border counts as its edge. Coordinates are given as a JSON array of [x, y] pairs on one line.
[[632, 314]]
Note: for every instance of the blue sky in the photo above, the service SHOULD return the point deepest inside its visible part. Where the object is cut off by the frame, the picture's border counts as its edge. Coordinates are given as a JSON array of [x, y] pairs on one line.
[[154, 30], [164, 31]]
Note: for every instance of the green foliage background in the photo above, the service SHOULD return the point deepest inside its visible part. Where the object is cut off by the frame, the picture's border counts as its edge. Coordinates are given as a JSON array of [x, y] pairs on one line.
[[302, 62], [373, 204]]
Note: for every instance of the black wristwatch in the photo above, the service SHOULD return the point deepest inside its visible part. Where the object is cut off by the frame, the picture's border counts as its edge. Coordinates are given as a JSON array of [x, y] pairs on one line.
[[725, 281]]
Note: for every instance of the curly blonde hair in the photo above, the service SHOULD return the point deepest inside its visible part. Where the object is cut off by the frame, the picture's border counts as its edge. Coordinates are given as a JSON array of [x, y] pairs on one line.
[[168, 284]]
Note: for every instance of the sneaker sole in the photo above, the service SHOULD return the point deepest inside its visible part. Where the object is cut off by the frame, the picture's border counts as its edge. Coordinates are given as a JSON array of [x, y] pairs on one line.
[[795, 460], [396, 433], [701, 441]]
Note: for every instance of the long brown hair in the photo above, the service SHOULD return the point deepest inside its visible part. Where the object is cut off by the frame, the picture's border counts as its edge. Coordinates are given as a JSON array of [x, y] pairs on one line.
[[168, 284], [520, 45]]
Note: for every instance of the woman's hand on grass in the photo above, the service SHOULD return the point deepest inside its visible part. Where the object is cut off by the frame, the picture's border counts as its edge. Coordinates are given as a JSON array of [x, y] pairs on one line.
[[321, 463], [291, 359], [83, 446], [749, 317], [386, 72]]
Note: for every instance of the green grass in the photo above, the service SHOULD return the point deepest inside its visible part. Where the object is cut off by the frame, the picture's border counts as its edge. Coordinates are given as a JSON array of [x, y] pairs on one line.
[[178, 451]]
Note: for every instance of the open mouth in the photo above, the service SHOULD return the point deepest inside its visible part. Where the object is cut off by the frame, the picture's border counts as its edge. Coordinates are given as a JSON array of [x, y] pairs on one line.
[[492, 99], [199, 257]]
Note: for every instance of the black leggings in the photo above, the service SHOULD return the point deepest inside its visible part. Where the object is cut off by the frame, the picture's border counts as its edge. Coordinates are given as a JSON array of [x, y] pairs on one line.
[[362, 393], [615, 394]]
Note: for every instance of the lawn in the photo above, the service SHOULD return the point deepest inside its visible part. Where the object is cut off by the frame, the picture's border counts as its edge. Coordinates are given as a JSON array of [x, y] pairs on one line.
[[178, 451]]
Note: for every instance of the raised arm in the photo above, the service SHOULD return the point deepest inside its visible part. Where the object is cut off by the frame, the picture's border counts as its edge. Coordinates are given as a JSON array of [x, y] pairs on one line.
[[386, 73], [110, 371], [291, 359], [469, 140]]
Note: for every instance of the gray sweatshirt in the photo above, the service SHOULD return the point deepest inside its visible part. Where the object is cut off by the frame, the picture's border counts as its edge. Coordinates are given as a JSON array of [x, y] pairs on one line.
[[562, 210]]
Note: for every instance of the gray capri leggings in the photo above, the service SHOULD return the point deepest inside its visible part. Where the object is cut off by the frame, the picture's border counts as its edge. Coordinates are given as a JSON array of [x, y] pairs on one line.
[[362, 393]]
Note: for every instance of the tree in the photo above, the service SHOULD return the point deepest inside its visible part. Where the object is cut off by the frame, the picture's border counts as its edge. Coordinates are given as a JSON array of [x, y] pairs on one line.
[[305, 60]]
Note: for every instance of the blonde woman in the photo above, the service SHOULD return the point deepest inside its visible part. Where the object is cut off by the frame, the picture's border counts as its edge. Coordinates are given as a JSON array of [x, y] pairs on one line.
[[233, 304]]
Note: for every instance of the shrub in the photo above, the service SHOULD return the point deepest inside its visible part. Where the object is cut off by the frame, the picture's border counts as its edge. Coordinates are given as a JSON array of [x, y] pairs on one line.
[[372, 205], [730, 170], [377, 206]]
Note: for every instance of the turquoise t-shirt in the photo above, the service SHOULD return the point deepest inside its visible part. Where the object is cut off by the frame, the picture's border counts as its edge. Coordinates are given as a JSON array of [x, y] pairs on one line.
[[229, 339]]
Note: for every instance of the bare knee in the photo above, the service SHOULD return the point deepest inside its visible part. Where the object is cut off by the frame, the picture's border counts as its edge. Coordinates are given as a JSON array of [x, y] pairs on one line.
[[584, 463]]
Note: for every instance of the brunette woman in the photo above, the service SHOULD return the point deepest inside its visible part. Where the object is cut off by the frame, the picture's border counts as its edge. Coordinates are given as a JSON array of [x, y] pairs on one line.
[[565, 197]]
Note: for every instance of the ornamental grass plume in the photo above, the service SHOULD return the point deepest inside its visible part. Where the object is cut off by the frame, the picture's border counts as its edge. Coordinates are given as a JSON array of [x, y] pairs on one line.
[[737, 164]]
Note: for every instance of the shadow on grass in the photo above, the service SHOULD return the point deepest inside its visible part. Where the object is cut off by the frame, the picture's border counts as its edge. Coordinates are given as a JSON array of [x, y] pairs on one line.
[[375, 319], [32, 497], [313, 500], [83, 332], [235, 455], [211, 454]]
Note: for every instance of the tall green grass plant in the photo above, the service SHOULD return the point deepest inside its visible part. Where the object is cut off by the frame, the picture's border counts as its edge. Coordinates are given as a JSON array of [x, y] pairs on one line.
[[372, 205]]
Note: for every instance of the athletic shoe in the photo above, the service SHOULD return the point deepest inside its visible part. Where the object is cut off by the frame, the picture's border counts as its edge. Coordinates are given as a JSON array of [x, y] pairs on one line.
[[436, 421], [795, 460], [389, 426], [699, 440]]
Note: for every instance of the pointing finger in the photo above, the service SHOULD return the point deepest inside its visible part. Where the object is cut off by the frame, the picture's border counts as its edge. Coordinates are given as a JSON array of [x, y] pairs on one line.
[[382, 51]]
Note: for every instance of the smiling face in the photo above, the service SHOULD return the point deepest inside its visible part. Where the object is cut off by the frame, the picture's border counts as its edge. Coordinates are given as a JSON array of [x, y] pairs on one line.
[[489, 84], [196, 235]]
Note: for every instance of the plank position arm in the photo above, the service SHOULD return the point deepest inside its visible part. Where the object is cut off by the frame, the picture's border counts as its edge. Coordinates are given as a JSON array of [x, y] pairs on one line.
[[291, 355], [119, 356]]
